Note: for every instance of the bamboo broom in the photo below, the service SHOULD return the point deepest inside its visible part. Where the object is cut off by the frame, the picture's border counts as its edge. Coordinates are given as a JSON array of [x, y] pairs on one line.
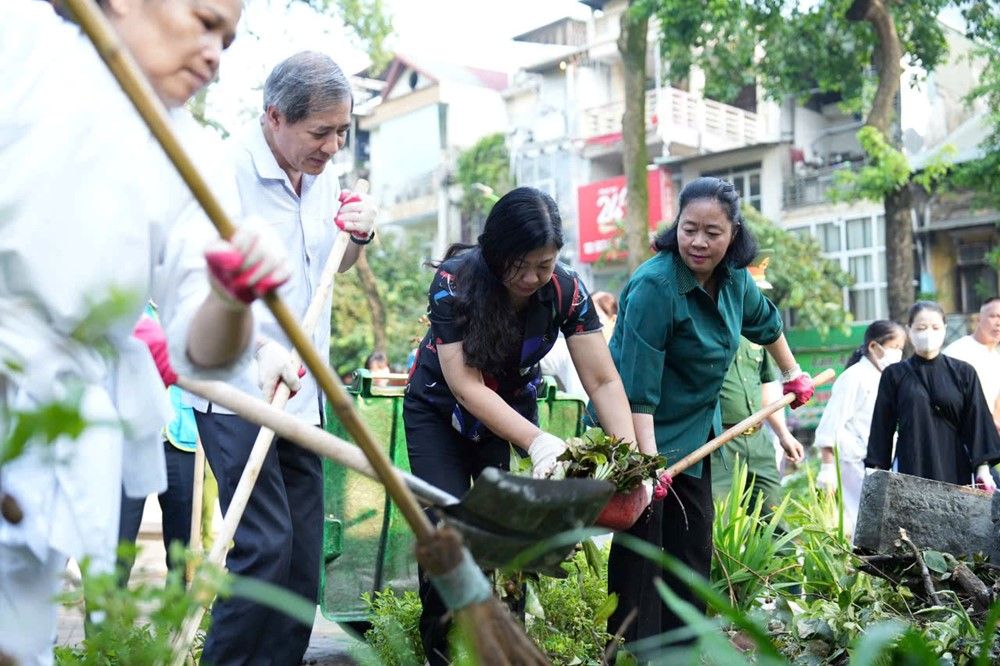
[[496, 636]]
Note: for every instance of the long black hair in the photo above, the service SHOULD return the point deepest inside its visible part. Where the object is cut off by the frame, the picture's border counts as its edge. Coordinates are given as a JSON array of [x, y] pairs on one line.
[[523, 220], [743, 247], [879, 332]]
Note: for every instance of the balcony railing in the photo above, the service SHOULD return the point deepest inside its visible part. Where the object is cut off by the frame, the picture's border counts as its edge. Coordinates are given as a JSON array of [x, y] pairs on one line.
[[682, 118], [813, 186], [414, 188]]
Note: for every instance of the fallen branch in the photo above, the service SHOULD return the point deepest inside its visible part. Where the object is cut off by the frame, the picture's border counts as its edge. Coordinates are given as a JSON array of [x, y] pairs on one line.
[[924, 571], [982, 598]]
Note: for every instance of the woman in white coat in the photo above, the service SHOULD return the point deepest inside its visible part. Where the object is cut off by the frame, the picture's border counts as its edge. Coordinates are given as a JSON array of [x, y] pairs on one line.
[[847, 417], [93, 223]]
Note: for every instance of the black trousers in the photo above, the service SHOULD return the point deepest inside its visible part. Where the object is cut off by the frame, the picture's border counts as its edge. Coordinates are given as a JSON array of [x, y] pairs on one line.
[[442, 457], [279, 540], [687, 535], [175, 505]]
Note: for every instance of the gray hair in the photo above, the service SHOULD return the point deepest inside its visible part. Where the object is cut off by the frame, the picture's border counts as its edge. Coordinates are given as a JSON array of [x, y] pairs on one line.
[[305, 83]]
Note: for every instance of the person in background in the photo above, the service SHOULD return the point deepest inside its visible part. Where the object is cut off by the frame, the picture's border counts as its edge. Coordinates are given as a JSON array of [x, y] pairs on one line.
[[281, 173], [936, 405], [180, 440], [743, 393], [495, 310], [847, 418], [981, 352], [377, 363], [680, 319], [558, 362]]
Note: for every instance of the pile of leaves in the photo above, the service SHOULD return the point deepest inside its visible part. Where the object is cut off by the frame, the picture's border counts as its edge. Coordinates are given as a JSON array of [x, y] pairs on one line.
[[598, 455]]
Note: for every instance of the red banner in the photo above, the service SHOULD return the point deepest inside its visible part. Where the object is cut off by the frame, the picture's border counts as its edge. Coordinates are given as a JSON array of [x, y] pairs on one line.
[[602, 207]]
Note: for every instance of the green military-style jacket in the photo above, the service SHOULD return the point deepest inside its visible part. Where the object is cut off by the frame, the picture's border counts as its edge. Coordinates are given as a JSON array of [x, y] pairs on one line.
[[740, 396], [673, 345]]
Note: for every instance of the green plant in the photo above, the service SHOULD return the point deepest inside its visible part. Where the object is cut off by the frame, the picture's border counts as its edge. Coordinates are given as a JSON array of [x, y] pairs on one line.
[[752, 555], [567, 617], [395, 632], [597, 455]]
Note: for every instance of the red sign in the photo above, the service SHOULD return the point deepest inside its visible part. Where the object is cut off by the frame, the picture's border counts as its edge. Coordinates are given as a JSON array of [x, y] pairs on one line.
[[601, 208]]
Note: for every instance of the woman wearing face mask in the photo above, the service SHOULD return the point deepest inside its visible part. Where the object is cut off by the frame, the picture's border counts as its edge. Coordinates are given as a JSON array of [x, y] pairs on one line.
[[847, 417], [496, 308], [937, 406]]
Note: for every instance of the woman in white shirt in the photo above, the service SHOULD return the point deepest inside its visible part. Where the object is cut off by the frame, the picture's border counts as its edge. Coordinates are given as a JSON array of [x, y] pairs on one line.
[[847, 417], [92, 225]]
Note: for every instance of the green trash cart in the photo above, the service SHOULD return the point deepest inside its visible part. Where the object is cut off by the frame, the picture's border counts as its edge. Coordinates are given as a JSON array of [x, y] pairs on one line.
[[367, 545]]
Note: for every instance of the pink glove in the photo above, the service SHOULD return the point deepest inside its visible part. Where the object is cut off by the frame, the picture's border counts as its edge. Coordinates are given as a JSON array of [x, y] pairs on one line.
[[151, 334], [802, 387], [251, 264], [356, 216], [662, 488]]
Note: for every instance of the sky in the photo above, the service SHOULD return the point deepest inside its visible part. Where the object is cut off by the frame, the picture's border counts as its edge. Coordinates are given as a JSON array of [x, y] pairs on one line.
[[470, 31]]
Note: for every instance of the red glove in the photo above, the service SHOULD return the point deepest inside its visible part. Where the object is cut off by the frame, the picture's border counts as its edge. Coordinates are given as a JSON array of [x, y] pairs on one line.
[[249, 265], [802, 387], [151, 333], [662, 488], [356, 216]]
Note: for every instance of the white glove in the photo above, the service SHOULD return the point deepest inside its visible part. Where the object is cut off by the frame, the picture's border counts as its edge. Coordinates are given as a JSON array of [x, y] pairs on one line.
[[647, 485], [984, 480], [544, 450], [274, 364], [357, 215], [827, 477]]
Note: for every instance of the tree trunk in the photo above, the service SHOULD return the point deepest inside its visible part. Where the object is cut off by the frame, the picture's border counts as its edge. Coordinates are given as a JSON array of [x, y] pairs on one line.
[[899, 251], [370, 286], [632, 46], [897, 204]]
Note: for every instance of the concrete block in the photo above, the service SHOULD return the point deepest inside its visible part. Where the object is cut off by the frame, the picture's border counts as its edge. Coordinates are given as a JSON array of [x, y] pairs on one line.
[[937, 516]]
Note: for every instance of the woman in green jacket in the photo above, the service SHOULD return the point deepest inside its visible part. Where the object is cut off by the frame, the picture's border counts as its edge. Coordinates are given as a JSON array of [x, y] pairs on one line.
[[680, 319]]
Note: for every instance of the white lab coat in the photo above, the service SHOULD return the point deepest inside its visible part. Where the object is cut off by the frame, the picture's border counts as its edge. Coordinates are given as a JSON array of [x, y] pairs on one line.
[[91, 213], [845, 424]]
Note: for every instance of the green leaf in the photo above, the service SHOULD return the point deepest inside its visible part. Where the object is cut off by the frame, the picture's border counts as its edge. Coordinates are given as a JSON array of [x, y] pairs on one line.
[[935, 561]]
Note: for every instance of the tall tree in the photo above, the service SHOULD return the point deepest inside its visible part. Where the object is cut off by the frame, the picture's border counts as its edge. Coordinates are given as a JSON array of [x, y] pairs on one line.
[[632, 47], [828, 46]]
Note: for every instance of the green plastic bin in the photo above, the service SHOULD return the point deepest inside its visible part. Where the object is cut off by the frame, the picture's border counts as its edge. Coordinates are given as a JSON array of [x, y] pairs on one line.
[[367, 545]]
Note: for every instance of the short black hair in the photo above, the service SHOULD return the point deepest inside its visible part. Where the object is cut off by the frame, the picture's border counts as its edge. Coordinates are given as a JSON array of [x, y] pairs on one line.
[[743, 247], [920, 306], [991, 299]]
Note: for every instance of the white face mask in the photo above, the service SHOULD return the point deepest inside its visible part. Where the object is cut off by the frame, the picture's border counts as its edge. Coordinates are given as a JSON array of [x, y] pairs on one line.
[[927, 340], [889, 356]]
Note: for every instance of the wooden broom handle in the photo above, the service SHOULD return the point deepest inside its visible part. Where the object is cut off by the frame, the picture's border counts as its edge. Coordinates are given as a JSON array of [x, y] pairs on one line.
[[138, 90], [749, 422]]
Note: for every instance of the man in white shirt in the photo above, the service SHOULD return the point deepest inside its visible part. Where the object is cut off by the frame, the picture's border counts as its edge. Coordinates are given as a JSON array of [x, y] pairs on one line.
[[282, 177], [980, 350]]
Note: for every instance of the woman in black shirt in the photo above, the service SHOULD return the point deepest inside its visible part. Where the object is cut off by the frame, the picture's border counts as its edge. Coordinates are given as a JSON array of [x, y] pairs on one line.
[[937, 406], [496, 308]]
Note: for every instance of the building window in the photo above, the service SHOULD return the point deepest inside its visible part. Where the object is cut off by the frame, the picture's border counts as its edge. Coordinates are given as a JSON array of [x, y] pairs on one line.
[[975, 279], [746, 180], [858, 245]]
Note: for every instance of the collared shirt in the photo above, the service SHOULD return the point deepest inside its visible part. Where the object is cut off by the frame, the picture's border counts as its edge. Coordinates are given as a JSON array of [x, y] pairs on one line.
[[304, 223], [673, 345], [92, 225], [563, 304], [847, 416], [741, 388], [986, 361]]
